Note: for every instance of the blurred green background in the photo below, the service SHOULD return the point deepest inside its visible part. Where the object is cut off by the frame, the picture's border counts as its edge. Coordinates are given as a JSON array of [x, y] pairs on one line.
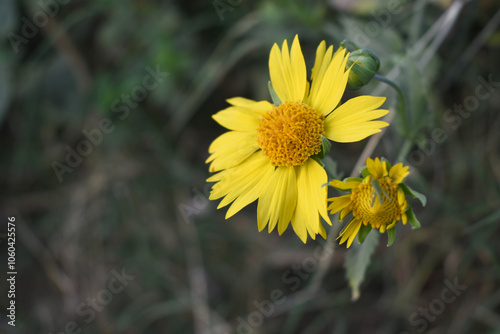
[[119, 237]]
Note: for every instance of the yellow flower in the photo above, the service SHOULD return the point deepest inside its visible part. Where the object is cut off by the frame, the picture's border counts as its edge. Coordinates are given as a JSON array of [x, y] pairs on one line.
[[270, 152], [377, 201]]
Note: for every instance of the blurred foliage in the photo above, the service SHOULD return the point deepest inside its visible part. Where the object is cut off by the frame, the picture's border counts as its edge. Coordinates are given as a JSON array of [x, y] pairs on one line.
[[138, 201]]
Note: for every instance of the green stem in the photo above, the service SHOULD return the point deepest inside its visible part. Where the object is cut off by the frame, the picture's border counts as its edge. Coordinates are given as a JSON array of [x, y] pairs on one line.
[[405, 149], [395, 86]]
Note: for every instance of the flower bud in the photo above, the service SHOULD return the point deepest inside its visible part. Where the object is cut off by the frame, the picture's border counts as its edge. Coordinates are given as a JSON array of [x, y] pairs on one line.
[[366, 65]]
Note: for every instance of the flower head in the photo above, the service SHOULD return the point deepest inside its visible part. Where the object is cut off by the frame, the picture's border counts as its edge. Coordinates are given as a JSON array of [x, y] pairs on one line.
[[376, 201], [272, 152]]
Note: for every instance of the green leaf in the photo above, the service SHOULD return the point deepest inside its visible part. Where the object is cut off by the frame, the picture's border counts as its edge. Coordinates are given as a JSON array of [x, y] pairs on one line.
[[274, 96], [391, 236], [363, 232], [415, 194], [356, 262], [415, 224]]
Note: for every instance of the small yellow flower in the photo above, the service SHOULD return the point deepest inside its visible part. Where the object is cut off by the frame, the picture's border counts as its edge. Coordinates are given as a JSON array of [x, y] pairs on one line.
[[271, 151], [377, 201]]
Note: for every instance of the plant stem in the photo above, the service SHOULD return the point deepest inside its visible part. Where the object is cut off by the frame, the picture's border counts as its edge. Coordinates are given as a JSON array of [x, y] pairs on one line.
[[402, 104]]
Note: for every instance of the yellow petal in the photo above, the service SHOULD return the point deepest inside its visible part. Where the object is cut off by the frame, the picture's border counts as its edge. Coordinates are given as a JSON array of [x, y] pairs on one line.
[[329, 80], [350, 232], [288, 71], [257, 107], [238, 118], [376, 168], [344, 185], [311, 199], [354, 120], [250, 190], [339, 203], [398, 173], [404, 218], [247, 180], [344, 212], [278, 200], [231, 148]]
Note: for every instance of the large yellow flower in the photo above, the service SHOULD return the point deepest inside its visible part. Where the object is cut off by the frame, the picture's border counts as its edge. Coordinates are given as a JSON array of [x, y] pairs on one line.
[[377, 201], [268, 154]]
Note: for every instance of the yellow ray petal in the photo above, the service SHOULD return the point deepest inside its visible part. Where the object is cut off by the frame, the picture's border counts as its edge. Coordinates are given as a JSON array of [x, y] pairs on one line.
[[398, 173], [288, 72], [346, 185], [237, 118], [257, 107], [350, 232], [330, 80], [339, 203], [231, 148], [376, 167], [311, 199], [278, 200], [354, 120], [233, 181]]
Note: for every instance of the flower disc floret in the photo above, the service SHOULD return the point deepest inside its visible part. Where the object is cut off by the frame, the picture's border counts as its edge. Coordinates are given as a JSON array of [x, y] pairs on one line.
[[290, 134], [367, 207]]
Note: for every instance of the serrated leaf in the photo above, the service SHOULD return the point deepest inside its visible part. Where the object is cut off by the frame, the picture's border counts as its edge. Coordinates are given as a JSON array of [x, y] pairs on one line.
[[363, 232], [415, 224], [357, 260], [391, 236], [415, 194], [274, 96]]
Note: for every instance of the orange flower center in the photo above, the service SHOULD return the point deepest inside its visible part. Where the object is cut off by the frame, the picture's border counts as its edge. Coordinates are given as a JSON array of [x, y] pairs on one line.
[[366, 205], [290, 134]]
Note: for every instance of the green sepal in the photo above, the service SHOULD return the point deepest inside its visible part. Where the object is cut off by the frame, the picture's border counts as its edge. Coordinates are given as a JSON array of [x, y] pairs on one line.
[[391, 236], [415, 194], [363, 232], [274, 96], [415, 224], [325, 147], [318, 160], [364, 171]]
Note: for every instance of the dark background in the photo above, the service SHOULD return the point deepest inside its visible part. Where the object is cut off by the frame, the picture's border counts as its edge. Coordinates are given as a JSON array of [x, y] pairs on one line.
[[137, 202]]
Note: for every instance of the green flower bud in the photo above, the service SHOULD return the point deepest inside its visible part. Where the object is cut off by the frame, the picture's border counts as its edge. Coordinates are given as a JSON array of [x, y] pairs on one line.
[[366, 65]]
